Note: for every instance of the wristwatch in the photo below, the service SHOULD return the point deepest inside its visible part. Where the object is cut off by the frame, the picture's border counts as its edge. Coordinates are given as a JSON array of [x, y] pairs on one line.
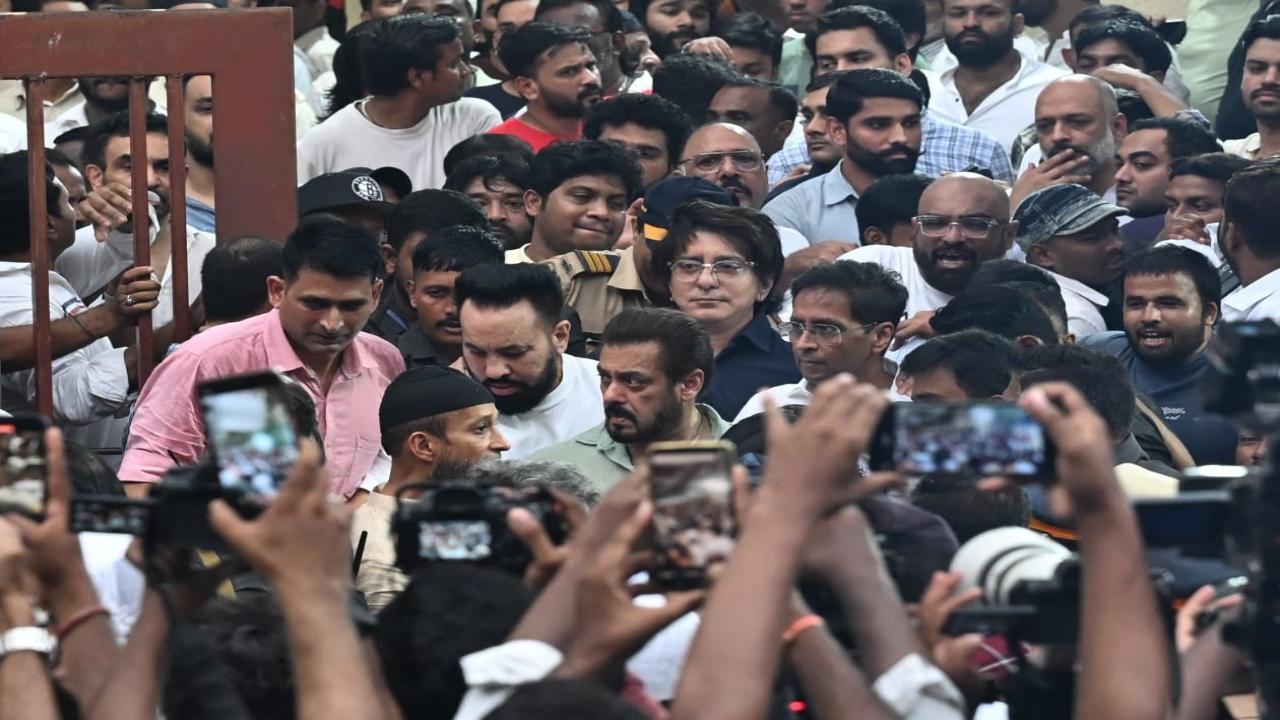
[[22, 639]]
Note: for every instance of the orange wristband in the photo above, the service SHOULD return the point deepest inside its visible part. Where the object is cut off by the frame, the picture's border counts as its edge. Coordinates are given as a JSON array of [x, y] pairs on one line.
[[802, 623]]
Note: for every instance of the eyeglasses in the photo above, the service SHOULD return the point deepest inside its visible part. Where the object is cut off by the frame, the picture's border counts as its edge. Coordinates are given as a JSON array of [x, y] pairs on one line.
[[690, 270], [824, 333], [972, 227], [743, 160]]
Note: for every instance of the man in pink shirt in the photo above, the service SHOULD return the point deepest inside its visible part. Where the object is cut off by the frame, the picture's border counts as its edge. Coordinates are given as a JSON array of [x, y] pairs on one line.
[[329, 290]]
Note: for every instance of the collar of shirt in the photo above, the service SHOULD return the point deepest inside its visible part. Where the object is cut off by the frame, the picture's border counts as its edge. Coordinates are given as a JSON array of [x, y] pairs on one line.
[[415, 345], [759, 332], [282, 356], [1247, 296], [616, 452], [835, 188], [1079, 288], [1028, 71], [1246, 148], [311, 37]]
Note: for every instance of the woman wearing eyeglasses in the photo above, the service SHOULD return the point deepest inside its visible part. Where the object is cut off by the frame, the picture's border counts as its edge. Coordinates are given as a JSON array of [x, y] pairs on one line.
[[725, 264]]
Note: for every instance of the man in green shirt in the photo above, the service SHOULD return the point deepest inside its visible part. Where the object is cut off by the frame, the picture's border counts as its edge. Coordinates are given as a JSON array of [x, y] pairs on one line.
[[653, 364]]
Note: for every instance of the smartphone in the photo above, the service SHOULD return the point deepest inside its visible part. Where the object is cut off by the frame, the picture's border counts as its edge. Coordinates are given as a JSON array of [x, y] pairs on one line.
[[111, 514], [970, 439], [23, 465], [693, 520], [455, 540], [252, 435], [1173, 31]]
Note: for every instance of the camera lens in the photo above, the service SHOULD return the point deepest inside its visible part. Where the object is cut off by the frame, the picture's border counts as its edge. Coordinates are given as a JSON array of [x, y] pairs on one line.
[[998, 560]]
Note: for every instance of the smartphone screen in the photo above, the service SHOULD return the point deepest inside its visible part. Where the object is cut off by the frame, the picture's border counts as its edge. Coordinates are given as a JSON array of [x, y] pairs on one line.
[[455, 540], [693, 521], [110, 515], [23, 466], [253, 440], [975, 439]]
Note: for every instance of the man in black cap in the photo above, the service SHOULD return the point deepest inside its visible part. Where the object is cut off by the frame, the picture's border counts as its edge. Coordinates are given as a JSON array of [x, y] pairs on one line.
[[351, 195], [1074, 235], [601, 284], [435, 423]]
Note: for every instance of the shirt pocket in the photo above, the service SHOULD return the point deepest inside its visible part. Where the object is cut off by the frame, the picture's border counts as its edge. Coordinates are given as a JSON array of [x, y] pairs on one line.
[[349, 473]]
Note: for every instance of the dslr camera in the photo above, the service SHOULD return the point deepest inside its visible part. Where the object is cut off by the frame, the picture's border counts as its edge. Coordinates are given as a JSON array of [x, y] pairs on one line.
[[457, 522]]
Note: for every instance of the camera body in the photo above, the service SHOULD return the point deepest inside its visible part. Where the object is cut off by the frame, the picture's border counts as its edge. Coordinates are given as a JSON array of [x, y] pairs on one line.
[[457, 522]]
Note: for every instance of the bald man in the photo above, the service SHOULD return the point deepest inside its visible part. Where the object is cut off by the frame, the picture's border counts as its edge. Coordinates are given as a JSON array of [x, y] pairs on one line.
[[962, 222], [730, 157], [1078, 129]]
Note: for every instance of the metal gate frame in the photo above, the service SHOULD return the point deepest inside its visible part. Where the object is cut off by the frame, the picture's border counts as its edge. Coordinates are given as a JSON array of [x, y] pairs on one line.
[[249, 55]]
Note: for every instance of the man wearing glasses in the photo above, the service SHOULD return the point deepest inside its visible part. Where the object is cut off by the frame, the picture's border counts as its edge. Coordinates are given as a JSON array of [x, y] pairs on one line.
[[963, 221], [843, 318]]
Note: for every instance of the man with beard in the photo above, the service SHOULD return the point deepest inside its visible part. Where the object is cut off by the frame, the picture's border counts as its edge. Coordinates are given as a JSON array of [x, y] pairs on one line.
[[673, 23], [653, 364], [412, 221], [103, 96], [963, 222], [1260, 90], [105, 249], [497, 184], [1142, 179], [436, 337], [875, 115], [603, 23], [197, 115], [1078, 127], [577, 195], [514, 342], [857, 38], [1074, 235], [1171, 301], [555, 72], [435, 423], [993, 86]]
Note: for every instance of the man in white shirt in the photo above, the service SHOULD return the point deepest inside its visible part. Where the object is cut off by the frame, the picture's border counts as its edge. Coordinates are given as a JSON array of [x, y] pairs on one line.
[[993, 87], [91, 383], [1074, 235], [963, 222], [313, 47], [1078, 129], [1249, 244], [1260, 93], [104, 250], [514, 343], [416, 112], [843, 317]]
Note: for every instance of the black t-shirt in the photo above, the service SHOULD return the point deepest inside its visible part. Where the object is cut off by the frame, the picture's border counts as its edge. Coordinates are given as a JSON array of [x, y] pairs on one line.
[[506, 103]]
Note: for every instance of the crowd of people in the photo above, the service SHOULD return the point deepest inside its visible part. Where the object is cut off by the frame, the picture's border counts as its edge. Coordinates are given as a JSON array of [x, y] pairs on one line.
[[536, 237]]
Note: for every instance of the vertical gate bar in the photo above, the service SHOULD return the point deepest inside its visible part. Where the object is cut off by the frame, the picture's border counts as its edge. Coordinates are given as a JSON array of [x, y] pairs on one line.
[[38, 214], [141, 216], [178, 209]]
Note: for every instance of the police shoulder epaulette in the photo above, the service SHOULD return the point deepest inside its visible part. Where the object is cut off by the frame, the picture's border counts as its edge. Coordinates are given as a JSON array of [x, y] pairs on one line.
[[597, 262]]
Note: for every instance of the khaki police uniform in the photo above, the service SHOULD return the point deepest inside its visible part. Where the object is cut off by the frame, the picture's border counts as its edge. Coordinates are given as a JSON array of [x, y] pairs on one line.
[[598, 284]]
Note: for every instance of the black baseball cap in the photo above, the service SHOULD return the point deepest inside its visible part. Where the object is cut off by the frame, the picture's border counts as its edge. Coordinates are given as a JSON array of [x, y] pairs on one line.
[[664, 196], [341, 189]]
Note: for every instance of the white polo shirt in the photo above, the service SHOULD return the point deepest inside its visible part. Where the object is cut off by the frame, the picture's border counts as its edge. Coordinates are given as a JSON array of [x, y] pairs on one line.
[[1259, 300], [1003, 114], [90, 385], [1083, 316]]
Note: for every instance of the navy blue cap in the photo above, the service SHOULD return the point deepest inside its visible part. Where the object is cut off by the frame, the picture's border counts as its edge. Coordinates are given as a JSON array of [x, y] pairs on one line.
[[664, 196]]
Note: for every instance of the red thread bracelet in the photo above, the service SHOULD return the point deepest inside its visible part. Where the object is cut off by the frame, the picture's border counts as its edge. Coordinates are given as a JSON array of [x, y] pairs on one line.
[[80, 618]]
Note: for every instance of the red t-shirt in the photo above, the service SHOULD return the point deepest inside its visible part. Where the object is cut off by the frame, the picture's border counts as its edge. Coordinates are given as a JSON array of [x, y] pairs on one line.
[[536, 138]]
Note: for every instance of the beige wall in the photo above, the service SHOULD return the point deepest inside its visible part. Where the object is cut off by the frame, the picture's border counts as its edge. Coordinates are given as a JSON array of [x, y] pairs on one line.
[[1166, 8]]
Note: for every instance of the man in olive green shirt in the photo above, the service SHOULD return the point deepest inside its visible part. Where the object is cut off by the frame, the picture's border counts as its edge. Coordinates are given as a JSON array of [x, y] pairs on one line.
[[653, 365]]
